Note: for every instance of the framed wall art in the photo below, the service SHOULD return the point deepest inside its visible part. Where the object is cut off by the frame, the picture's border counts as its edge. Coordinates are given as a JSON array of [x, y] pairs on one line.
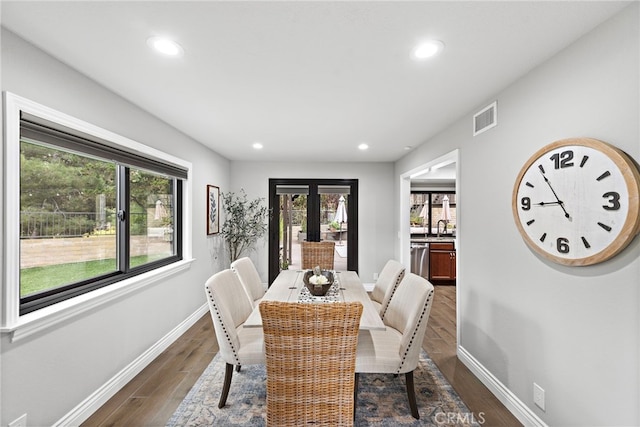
[[213, 209]]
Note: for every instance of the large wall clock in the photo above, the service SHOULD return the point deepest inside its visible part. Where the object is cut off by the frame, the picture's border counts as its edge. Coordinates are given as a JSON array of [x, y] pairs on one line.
[[576, 201]]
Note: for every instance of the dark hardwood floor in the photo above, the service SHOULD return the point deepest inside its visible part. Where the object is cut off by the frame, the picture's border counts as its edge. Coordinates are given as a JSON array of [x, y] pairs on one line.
[[153, 395], [440, 344]]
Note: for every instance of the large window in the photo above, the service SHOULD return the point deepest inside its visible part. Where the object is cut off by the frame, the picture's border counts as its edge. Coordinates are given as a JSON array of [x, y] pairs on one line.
[[433, 213], [91, 213]]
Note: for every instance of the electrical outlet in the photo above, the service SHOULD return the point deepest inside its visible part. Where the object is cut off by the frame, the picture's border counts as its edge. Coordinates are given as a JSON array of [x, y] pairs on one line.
[[538, 396], [19, 422], [375, 276]]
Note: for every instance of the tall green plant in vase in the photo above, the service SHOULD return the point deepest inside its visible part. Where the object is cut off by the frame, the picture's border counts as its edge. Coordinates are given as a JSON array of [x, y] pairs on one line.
[[245, 223]]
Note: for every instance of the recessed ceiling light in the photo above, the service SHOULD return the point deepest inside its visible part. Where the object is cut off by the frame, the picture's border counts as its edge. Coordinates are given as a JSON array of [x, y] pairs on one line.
[[257, 146], [408, 147], [165, 46], [363, 147], [428, 49]]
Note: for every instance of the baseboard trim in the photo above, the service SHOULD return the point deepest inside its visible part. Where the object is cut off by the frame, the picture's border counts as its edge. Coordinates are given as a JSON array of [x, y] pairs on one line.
[[87, 407], [521, 411]]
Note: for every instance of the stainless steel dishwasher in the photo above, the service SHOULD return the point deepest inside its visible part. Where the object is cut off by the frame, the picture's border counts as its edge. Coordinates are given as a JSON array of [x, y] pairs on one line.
[[420, 259]]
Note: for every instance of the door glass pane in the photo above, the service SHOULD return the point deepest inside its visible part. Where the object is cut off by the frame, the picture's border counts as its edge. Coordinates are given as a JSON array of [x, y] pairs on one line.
[[67, 218], [334, 201], [151, 217], [293, 226], [293, 223]]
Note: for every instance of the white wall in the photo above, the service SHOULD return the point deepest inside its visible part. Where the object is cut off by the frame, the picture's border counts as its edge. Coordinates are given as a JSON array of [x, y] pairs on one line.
[[376, 236], [48, 374], [575, 331]]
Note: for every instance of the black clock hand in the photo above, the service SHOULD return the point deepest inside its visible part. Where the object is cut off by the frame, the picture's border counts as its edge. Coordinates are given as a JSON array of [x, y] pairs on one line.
[[548, 203], [566, 214]]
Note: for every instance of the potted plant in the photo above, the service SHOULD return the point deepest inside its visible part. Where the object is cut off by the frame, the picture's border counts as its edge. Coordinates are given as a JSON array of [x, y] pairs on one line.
[[244, 223], [284, 263], [302, 234]]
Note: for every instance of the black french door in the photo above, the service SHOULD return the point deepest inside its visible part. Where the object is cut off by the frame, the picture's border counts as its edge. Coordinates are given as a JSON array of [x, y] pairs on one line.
[[309, 209]]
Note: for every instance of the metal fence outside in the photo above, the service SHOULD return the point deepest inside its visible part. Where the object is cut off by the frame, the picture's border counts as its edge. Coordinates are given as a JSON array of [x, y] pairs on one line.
[[299, 216], [42, 225]]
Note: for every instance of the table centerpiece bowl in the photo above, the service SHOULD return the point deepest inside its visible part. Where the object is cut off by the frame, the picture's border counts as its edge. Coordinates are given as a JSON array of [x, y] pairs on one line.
[[318, 289]]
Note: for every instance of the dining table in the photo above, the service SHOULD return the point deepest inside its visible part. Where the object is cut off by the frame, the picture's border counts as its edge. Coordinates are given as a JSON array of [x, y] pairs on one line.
[[289, 287]]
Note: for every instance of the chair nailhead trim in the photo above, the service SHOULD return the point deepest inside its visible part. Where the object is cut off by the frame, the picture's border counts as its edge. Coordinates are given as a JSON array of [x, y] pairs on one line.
[[226, 332], [395, 286], [413, 336]]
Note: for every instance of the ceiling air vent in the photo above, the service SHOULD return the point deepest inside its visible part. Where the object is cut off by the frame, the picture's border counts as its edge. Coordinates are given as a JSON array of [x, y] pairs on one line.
[[485, 119]]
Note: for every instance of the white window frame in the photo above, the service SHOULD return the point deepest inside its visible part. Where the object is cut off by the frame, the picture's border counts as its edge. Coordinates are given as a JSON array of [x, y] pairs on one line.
[[22, 326]]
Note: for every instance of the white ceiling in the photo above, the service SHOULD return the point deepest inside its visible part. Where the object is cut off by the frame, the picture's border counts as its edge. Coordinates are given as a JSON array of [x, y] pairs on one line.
[[310, 80]]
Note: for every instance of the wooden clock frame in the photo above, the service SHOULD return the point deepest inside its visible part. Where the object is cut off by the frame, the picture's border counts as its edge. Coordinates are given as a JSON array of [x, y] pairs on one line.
[[631, 175]]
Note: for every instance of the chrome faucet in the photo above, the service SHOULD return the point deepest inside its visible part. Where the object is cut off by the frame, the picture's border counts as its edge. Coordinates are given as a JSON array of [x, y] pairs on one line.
[[444, 230]]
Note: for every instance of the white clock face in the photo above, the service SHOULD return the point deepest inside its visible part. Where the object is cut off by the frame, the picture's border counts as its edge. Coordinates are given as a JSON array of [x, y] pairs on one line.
[[572, 203]]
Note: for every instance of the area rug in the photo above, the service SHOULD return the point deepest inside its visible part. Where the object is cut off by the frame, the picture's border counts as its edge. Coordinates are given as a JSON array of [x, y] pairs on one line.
[[382, 399]]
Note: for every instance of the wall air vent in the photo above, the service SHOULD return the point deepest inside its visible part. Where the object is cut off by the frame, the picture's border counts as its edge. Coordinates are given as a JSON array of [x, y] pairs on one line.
[[485, 119]]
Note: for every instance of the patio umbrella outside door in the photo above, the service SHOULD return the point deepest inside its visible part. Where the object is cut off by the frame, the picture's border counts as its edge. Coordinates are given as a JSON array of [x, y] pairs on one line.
[[423, 215], [341, 215], [446, 212]]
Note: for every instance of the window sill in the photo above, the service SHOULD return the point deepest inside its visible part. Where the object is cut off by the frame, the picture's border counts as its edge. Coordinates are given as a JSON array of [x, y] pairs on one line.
[[42, 319]]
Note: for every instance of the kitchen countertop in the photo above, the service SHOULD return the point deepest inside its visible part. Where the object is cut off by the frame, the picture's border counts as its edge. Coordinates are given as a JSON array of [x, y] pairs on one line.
[[433, 239]]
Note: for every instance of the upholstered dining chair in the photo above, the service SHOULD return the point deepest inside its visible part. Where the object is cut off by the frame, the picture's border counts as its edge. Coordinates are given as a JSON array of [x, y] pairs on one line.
[[230, 308], [318, 254], [250, 279], [310, 356], [388, 280], [396, 350]]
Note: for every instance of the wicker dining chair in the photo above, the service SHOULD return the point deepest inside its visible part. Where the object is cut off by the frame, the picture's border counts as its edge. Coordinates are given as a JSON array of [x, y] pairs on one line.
[[318, 254], [310, 356]]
